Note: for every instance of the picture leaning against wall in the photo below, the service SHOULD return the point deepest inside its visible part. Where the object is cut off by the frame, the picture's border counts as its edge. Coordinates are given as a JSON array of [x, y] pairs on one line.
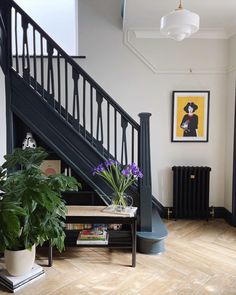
[[190, 116]]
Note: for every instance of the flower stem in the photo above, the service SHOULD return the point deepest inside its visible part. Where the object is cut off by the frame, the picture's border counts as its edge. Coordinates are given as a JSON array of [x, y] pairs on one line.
[[119, 200]]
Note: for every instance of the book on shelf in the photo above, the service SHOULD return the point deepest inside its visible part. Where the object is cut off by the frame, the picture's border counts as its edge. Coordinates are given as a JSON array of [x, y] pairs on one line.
[[92, 234], [98, 226], [78, 226], [94, 237], [13, 284], [92, 242], [81, 226]]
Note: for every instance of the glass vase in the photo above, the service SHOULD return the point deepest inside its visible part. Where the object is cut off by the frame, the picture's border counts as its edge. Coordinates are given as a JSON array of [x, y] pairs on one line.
[[121, 202]]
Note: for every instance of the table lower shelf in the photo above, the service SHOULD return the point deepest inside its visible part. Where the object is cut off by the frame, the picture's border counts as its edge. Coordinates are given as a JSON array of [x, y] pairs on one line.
[[117, 239]]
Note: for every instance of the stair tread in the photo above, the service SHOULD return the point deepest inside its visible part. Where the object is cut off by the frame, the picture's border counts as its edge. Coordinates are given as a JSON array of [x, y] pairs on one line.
[[152, 235]]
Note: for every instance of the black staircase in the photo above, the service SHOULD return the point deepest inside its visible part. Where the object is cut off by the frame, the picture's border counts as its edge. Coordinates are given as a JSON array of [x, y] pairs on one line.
[[68, 110]]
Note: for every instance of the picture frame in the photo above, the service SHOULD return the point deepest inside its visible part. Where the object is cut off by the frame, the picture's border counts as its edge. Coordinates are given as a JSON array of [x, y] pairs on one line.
[[51, 167], [190, 116]]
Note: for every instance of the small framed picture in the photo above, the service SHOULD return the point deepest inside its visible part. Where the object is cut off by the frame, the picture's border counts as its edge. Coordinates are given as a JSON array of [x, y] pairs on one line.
[[190, 116], [50, 167]]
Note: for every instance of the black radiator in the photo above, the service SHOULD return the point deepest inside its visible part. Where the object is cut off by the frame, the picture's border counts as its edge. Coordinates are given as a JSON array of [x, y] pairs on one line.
[[191, 191]]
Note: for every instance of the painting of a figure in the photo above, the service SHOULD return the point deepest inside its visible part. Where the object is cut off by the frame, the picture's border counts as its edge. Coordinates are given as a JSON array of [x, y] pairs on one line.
[[190, 116], [189, 123]]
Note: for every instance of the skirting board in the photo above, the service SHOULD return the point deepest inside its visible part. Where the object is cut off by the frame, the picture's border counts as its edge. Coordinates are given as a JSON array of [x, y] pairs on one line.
[[219, 212]]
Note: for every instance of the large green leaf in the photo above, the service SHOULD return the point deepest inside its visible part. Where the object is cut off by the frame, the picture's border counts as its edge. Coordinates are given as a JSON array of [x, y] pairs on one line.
[[32, 209]]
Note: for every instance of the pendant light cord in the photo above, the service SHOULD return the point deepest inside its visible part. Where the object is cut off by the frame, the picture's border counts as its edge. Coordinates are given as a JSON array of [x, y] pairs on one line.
[[180, 4]]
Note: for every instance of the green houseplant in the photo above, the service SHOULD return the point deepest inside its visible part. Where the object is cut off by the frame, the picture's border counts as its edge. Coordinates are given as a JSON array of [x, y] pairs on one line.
[[31, 208]]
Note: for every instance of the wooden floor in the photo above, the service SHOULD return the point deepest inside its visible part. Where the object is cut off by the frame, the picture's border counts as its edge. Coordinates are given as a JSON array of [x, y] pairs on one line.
[[200, 258]]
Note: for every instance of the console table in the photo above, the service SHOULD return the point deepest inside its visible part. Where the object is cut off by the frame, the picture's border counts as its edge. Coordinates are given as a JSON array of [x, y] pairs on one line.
[[95, 214]]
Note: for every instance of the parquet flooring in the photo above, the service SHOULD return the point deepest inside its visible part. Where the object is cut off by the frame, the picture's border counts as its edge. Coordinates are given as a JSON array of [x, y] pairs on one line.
[[200, 259]]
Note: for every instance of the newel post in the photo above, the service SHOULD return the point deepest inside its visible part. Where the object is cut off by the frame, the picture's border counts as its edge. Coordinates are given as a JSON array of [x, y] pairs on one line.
[[145, 166]]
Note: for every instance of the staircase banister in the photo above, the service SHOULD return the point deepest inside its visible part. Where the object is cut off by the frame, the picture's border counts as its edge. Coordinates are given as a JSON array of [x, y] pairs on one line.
[[77, 67], [116, 106]]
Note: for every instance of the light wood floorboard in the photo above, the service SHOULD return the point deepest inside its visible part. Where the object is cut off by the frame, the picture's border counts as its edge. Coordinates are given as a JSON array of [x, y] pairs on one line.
[[200, 259]]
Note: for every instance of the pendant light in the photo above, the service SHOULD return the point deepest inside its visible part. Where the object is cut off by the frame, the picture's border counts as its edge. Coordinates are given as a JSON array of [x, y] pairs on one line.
[[180, 23]]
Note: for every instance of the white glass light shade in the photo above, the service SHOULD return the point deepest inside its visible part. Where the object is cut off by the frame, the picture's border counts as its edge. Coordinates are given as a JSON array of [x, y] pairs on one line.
[[179, 24]]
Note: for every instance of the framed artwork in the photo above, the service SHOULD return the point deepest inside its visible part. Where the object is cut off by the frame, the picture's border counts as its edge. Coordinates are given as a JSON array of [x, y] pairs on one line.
[[190, 116], [50, 167]]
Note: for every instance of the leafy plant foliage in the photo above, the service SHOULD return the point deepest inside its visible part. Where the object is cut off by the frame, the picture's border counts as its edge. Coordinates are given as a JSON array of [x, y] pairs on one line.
[[32, 210]]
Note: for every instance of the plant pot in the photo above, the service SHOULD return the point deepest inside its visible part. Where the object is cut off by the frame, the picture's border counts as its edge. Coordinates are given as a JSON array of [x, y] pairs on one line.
[[19, 263]]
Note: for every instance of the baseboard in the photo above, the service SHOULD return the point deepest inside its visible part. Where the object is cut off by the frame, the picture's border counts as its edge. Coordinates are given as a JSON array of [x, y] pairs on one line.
[[160, 208], [214, 212], [228, 216], [218, 212]]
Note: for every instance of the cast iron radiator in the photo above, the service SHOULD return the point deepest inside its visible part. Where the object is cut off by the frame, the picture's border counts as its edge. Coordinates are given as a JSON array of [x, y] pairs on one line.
[[191, 191]]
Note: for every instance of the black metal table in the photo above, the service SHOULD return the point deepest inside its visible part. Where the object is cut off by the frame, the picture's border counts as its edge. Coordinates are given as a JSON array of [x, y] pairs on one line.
[[95, 214]]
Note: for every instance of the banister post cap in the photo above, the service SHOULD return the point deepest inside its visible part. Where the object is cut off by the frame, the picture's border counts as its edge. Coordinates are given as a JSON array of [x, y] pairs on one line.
[[144, 115]]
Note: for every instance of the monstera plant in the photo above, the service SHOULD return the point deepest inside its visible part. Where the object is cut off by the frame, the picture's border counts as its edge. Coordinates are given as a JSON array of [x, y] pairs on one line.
[[32, 210]]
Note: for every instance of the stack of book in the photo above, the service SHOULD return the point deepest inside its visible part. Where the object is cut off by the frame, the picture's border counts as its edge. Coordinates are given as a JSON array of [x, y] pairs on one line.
[[93, 236], [13, 284]]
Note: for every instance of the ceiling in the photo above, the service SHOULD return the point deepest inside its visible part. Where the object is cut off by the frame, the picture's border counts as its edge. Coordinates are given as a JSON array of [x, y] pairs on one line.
[[216, 16]]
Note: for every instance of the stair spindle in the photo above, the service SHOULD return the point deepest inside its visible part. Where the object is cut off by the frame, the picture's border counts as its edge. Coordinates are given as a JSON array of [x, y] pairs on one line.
[[84, 106], [99, 137], [124, 155], [115, 132], [91, 113], [25, 51], [42, 65], [132, 145], [66, 90], [59, 81], [16, 43], [34, 60], [50, 80], [108, 127], [76, 108]]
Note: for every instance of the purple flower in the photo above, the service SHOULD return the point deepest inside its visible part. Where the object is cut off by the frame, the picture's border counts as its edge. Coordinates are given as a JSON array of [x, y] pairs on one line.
[[134, 166], [94, 171], [100, 168], [135, 171], [125, 172], [119, 177], [109, 162], [140, 174]]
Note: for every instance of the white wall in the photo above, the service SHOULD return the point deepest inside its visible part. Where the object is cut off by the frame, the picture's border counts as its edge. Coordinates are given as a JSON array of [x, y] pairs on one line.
[[2, 117], [120, 70], [57, 18]]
